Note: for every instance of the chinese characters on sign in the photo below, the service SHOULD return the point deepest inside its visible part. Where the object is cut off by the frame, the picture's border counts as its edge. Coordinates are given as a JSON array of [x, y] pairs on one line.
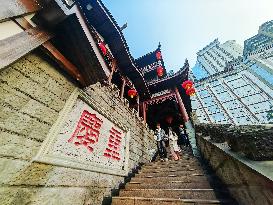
[[87, 134], [112, 151], [87, 131], [85, 138]]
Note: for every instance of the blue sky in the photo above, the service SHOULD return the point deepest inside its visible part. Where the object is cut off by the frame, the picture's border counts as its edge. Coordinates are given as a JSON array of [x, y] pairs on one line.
[[185, 26]]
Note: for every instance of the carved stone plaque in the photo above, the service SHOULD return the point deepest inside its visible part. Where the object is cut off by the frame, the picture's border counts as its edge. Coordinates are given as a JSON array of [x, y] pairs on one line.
[[83, 138]]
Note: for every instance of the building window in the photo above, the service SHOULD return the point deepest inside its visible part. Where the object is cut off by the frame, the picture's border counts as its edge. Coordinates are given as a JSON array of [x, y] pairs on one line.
[[253, 99], [261, 107], [243, 120], [244, 91], [225, 97], [199, 72], [203, 93], [261, 72], [218, 117]]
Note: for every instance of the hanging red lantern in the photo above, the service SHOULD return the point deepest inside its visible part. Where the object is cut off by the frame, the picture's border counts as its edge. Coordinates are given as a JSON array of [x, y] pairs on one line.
[[191, 91], [103, 48], [158, 55], [160, 71], [169, 119], [187, 84], [132, 93]]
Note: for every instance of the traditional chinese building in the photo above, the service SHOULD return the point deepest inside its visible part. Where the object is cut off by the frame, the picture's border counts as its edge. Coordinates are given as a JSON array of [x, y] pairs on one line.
[[76, 112], [75, 104], [168, 99]]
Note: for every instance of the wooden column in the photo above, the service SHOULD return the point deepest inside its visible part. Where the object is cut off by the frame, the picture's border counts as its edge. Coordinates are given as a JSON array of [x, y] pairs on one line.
[[113, 68], [181, 106], [138, 105], [144, 111], [122, 88]]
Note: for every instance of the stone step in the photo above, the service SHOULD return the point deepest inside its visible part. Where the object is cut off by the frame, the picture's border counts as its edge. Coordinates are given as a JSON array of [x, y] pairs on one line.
[[156, 166], [183, 158], [167, 201], [165, 179], [176, 171], [170, 168], [172, 163], [170, 174], [173, 193], [171, 185]]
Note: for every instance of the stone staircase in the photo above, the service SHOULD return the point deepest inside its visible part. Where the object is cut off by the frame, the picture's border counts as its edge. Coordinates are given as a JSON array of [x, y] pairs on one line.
[[174, 182]]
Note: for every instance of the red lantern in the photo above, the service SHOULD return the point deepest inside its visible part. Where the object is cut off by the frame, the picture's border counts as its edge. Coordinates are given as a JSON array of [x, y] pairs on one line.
[[160, 71], [132, 93], [190, 91], [158, 55], [169, 119], [103, 48], [187, 84]]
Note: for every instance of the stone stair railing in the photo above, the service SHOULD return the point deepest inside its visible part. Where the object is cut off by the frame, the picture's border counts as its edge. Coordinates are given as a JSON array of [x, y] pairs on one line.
[[255, 141]]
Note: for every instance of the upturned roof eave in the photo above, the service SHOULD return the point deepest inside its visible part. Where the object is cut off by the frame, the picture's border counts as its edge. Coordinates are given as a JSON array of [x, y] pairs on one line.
[[116, 42]]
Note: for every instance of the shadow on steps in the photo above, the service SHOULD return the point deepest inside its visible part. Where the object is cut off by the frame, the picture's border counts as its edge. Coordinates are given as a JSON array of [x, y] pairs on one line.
[[107, 200]]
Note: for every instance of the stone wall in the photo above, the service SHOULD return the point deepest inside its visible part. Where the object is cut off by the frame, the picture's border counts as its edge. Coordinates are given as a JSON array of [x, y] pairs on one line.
[[33, 92], [249, 182], [254, 141]]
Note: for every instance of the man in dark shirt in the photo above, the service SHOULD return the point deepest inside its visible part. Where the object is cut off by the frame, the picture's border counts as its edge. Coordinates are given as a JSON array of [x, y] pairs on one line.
[[183, 137], [160, 137]]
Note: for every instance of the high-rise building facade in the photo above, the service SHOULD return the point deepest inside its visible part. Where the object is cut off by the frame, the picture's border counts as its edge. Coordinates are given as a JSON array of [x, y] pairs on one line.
[[213, 58], [237, 88], [263, 39]]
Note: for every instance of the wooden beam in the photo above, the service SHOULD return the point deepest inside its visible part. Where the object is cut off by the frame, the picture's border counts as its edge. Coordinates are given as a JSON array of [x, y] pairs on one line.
[[17, 46], [63, 62], [22, 22], [11, 8], [53, 52], [160, 97]]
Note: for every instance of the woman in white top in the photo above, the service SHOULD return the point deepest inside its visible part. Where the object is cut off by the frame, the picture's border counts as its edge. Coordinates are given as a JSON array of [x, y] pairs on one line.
[[174, 148]]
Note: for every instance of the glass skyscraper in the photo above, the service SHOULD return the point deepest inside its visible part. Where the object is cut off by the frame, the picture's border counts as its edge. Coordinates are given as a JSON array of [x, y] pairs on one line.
[[235, 85], [213, 58]]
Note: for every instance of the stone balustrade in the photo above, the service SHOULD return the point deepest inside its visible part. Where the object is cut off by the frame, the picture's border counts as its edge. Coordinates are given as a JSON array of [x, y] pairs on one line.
[[255, 141], [232, 152]]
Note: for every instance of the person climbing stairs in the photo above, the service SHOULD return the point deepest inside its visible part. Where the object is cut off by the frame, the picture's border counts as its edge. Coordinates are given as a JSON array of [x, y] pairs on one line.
[[186, 181]]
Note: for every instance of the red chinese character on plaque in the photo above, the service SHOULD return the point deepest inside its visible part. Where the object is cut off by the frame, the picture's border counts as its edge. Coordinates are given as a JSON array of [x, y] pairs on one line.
[[87, 131], [114, 142]]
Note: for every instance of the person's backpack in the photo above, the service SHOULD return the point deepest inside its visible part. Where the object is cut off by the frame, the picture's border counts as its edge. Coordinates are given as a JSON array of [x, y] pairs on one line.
[[165, 137]]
